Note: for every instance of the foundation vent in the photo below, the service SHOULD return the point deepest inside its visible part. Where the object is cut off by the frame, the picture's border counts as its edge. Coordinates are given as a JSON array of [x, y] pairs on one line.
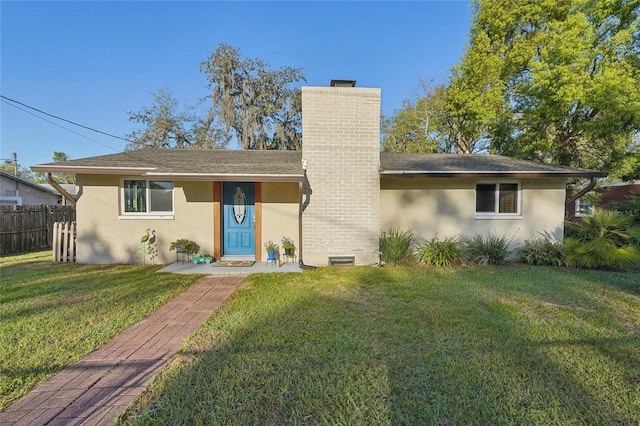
[[342, 260]]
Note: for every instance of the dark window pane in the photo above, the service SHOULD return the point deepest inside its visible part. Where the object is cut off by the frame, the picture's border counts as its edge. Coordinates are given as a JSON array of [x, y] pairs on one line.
[[508, 198], [135, 196], [486, 198], [161, 196]]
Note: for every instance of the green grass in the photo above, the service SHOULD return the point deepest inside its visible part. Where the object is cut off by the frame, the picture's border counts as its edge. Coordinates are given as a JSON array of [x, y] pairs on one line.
[[387, 346], [53, 314]]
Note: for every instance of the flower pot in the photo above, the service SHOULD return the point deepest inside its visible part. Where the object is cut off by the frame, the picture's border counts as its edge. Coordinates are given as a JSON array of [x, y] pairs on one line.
[[271, 255], [288, 251]]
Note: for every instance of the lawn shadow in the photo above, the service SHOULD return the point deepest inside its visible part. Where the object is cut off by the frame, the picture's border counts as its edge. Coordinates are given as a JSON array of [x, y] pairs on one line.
[[374, 346]]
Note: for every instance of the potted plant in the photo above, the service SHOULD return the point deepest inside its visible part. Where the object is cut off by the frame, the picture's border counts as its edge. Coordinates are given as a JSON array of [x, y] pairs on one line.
[[271, 248], [288, 246], [184, 245]]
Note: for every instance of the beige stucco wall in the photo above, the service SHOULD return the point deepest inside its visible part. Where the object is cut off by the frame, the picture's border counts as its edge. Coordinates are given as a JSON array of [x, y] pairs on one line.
[[104, 236], [446, 207], [280, 214]]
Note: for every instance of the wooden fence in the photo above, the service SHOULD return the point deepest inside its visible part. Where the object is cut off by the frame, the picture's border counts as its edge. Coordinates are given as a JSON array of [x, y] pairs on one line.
[[64, 242], [30, 228]]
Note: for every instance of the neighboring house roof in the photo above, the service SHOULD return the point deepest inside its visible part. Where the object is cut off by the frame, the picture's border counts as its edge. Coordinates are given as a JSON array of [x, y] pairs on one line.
[[28, 183], [473, 165], [69, 187], [221, 164]]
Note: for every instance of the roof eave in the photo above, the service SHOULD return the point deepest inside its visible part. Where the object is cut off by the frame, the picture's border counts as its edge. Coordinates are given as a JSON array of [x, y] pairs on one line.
[[484, 174], [91, 170], [227, 177]]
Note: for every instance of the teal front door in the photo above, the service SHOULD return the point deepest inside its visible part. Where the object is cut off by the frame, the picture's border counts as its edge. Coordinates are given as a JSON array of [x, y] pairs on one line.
[[238, 218]]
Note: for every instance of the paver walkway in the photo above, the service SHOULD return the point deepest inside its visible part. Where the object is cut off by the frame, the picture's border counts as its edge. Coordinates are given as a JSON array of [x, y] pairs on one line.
[[94, 390]]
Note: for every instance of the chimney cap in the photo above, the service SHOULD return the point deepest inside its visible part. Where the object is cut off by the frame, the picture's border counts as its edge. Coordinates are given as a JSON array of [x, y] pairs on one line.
[[343, 83]]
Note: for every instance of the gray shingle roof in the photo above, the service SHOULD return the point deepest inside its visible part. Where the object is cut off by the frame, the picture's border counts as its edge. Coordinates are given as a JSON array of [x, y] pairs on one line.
[[278, 165], [187, 163], [448, 165], [27, 182]]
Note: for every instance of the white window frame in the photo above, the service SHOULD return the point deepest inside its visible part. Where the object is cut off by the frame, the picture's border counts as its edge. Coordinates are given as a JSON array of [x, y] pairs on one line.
[[578, 206], [496, 213], [164, 215]]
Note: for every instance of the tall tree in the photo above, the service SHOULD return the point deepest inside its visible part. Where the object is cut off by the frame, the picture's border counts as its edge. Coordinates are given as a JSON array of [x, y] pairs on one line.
[[429, 124], [23, 172], [260, 107], [555, 80], [58, 177], [63, 177], [409, 129], [165, 125]]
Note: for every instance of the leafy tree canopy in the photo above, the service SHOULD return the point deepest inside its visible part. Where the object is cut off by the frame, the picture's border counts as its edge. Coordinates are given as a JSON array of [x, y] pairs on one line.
[[38, 177], [428, 124], [23, 172], [550, 80], [257, 106], [555, 80], [170, 125]]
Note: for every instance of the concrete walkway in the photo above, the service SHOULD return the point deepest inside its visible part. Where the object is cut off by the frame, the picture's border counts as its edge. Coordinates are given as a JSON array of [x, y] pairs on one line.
[[94, 390], [204, 268]]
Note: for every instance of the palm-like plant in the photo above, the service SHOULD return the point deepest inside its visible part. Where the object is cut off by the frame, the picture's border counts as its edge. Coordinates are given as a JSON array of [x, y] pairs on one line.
[[604, 240]]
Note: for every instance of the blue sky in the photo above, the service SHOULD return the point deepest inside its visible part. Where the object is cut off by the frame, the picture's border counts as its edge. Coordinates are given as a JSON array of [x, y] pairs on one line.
[[92, 62]]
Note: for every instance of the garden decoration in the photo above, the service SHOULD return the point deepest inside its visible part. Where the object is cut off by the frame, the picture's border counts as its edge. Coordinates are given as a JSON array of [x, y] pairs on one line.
[[202, 258], [271, 249], [148, 246], [288, 246]]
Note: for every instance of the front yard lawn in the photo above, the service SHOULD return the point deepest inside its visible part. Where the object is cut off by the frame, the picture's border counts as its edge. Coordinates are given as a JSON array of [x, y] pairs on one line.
[[53, 314], [415, 346]]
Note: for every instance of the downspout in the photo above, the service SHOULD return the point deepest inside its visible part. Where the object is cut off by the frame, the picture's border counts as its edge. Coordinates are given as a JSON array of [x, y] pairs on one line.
[[588, 188], [58, 188], [300, 209]]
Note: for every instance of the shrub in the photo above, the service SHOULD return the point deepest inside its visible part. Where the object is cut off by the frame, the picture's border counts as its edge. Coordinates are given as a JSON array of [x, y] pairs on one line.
[[440, 253], [396, 246], [544, 251], [485, 250], [605, 240]]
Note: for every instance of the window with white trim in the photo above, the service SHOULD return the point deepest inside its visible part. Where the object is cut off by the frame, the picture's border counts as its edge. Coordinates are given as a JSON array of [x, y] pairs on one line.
[[140, 196], [498, 199], [584, 207]]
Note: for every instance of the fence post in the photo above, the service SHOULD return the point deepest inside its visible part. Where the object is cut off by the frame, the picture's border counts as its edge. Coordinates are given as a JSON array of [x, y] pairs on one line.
[[56, 241], [65, 241], [72, 242]]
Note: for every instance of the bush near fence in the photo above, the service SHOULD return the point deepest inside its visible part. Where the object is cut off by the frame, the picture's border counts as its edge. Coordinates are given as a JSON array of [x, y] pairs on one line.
[[30, 228]]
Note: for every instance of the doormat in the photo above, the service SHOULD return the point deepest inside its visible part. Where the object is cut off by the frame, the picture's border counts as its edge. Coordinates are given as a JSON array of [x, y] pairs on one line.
[[245, 263]]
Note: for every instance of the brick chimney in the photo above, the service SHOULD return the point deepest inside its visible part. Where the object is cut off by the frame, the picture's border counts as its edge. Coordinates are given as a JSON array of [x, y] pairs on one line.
[[341, 149]]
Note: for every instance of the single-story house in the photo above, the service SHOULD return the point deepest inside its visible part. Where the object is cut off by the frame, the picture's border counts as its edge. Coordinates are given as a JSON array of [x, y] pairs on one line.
[[332, 198], [16, 191]]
